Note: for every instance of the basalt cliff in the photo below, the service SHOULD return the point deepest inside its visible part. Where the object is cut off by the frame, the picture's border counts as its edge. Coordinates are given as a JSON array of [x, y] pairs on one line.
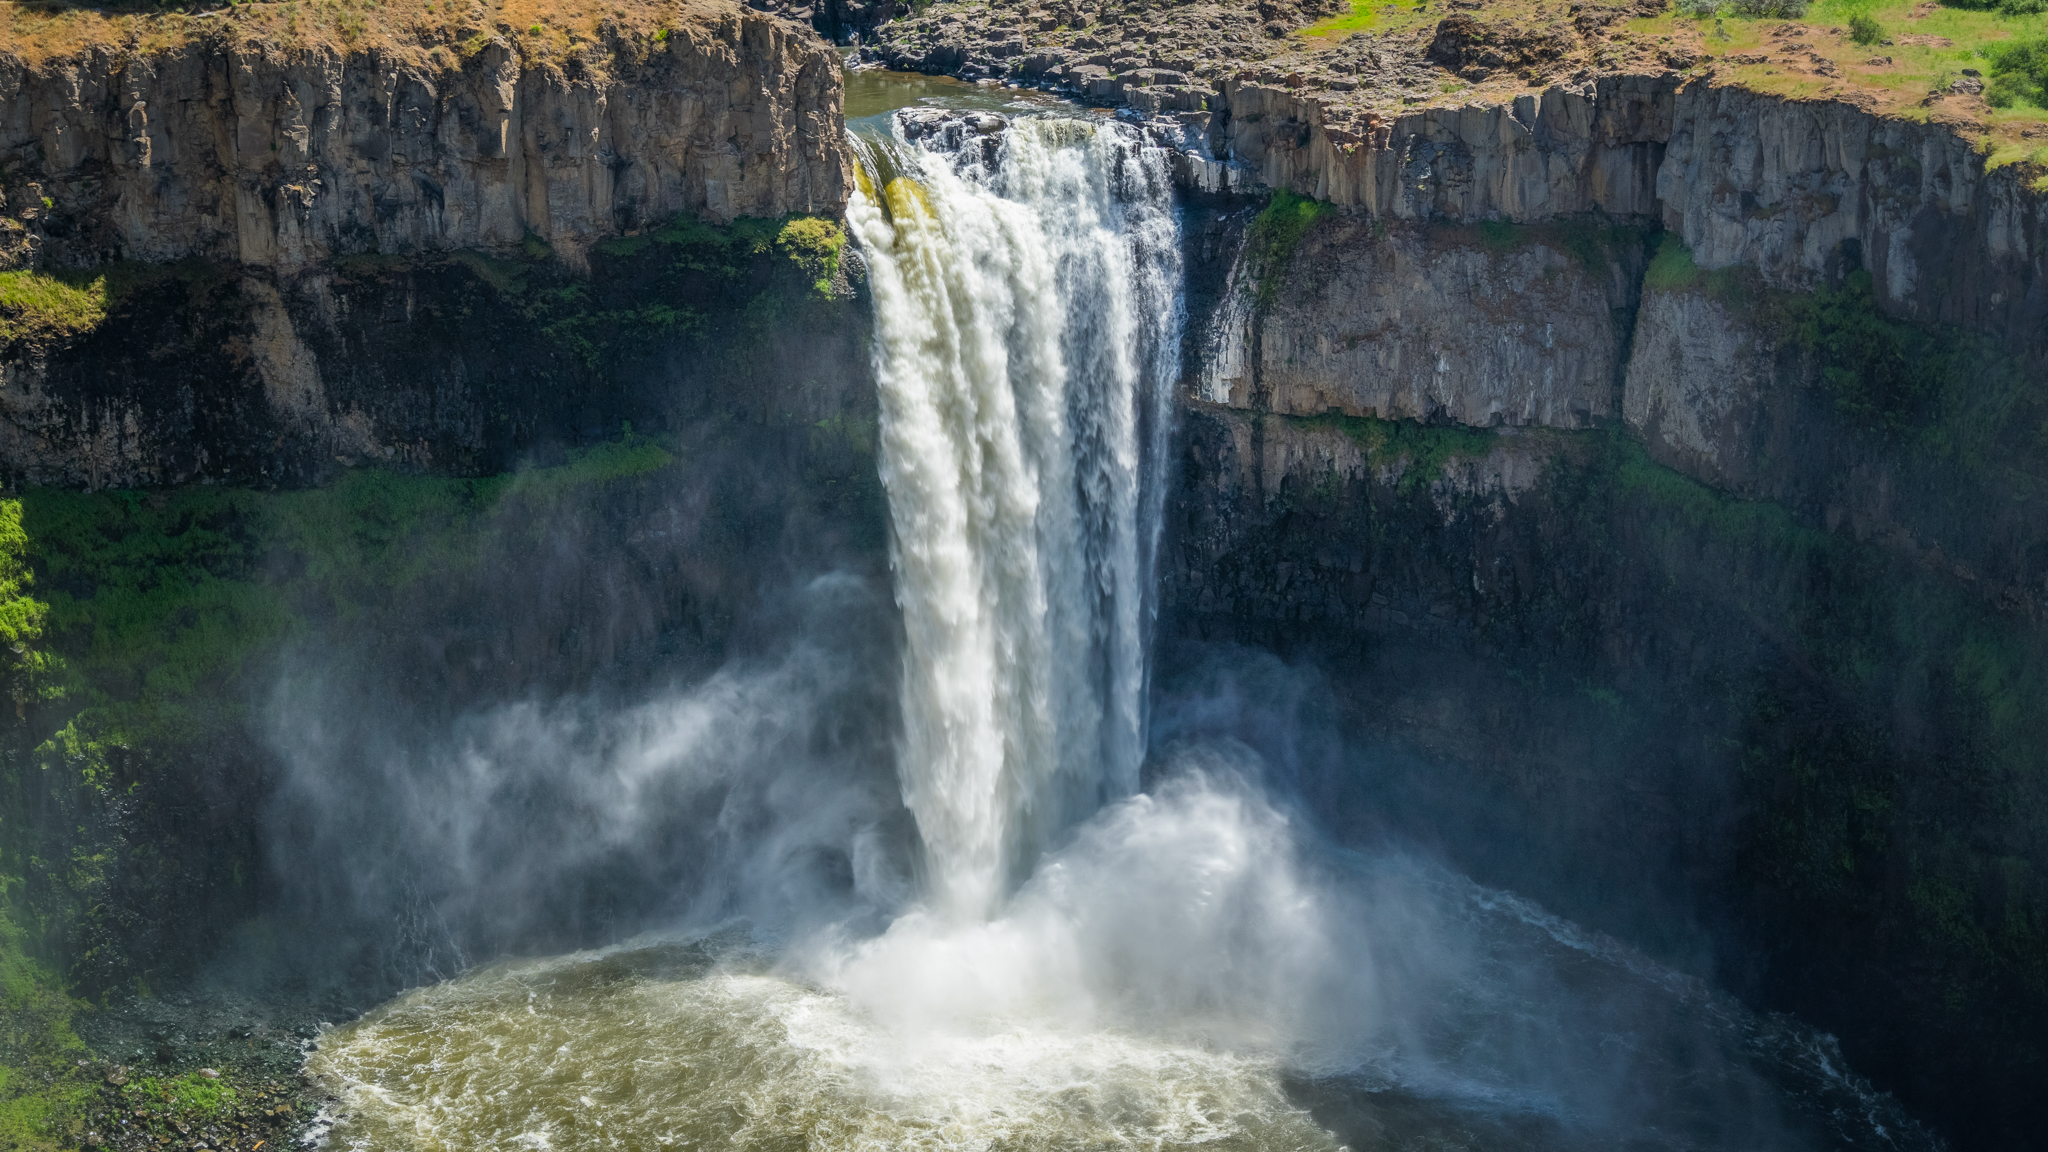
[[1641, 434], [249, 197]]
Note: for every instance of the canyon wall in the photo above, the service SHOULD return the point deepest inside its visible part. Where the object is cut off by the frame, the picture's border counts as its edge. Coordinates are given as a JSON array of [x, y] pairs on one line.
[[1549, 440], [246, 153], [283, 262], [1796, 190], [1659, 471]]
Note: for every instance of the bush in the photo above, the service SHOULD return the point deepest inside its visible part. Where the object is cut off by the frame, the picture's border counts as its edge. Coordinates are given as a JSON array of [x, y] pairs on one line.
[[2019, 73], [1864, 30], [2002, 7], [1885, 375], [1752, 9]]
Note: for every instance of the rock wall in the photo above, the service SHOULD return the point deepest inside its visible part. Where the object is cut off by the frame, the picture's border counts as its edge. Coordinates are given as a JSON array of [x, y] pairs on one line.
[[244, 153], [1595, 146], [1797, 190], [1436, 323], [313, 260], [1787, 757], [1705, 583], [463, 364]]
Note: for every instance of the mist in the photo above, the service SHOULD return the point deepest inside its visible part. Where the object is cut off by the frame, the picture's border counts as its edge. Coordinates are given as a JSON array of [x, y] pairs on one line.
[[901, 872], [762, 791]]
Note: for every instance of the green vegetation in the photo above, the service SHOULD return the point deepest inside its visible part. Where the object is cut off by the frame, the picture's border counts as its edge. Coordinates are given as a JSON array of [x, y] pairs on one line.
[[600, 333], [1671, 269], [1747, 9], [1846, 821], [813, 243], [40, 1089], [160, 603], [1413, 451], [2002, 7], [1356, 16], [1273, 237], [2019, 73], [177, 589], [1592, 241], [1864, 30], [1885, 375], [208, 1097], [21, 615], [37, 307]]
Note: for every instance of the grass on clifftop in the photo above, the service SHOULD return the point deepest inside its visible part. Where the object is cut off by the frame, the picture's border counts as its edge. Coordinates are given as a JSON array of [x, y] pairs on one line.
[[1901, 58], [440, 33]]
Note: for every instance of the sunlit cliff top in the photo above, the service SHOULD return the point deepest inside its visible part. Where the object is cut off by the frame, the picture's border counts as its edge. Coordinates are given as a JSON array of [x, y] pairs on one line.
[[545, 32], [1982, 69]]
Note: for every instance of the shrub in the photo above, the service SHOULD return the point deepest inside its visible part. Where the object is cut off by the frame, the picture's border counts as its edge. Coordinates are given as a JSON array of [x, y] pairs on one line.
[[1752, 9], [21, 615], [813, 242], [1884, 375], [2019, 73], [1864, 30], [2002, 7]]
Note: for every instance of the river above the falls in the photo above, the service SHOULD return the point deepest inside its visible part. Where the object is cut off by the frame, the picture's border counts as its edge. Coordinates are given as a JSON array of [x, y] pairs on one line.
[[874, 94], [1073, 961]]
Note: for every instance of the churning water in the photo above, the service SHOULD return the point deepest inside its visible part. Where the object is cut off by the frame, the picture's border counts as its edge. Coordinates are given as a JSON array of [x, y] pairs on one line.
[[1078, 963]]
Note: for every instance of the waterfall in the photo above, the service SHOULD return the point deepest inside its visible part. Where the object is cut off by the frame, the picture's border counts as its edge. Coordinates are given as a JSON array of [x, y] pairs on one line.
[[1025, 277]]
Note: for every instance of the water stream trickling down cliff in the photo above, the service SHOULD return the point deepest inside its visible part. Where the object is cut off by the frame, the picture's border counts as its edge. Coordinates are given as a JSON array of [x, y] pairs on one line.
[[1083, 958]]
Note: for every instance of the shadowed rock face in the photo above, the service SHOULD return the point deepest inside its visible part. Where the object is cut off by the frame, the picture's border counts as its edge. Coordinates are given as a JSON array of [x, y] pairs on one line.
[[1648, 573], [245, 154]]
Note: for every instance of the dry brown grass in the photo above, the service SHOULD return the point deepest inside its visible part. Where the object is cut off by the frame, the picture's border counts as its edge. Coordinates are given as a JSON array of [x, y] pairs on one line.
[[446, 31], [1813, 58]]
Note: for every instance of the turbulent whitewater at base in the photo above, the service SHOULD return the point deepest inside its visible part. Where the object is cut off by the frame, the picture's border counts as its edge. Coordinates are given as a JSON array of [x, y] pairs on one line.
[[1026, 281], [1085, 965]]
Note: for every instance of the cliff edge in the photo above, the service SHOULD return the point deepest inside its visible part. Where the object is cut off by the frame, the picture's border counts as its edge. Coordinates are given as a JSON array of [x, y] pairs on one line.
[[258, 135]]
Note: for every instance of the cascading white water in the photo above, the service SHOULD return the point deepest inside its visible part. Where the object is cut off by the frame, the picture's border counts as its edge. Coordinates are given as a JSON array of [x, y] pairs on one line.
[[1192, 967], [1027, 335]]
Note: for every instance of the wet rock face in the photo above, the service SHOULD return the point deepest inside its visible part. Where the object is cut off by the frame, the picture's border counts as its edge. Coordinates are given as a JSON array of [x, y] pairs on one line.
[[233, 153], [950, 131]]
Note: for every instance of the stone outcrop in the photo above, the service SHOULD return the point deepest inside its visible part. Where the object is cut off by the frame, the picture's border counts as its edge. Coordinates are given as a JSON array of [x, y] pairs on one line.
[[243, 153], [1435, 324], [1696, 381], [1570, 149]]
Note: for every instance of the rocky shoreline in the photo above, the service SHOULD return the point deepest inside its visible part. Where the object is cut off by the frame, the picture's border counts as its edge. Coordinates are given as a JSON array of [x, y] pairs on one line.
[[202, 1069]]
